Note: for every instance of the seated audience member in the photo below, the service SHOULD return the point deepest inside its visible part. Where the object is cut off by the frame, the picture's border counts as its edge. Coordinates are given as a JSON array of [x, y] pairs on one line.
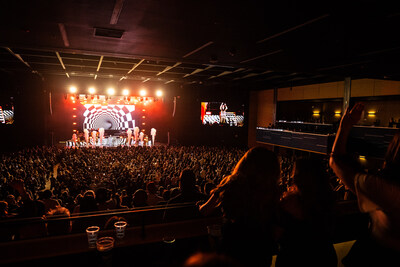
[[87, 203], [152, 197], [377, 195], [104, 202], [58, 227], [306, 218], [189, 191], [29, 208], [139, 199], [48, 200], [249, 200]]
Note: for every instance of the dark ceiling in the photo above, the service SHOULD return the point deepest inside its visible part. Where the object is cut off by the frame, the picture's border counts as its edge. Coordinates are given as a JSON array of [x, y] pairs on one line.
[[273, 43]]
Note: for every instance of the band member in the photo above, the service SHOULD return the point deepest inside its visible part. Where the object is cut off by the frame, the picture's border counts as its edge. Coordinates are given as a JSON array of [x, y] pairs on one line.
[[74, 140], [141, 136], [86, 133], [101, 136], [153, 135], [222, 114], [136, 134], [129, 139], [94, 138]]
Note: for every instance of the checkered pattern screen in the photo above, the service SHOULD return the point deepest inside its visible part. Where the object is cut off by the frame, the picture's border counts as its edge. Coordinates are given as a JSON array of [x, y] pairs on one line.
[[109, 117], [6, 116]]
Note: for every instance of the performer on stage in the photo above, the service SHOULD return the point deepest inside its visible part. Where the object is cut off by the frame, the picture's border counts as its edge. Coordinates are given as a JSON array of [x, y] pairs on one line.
[[129, 139], [222, 114], [153, 135], [101, 136], [141, 136], [136, 134], [74, 140], [86, 133], [94, 138]]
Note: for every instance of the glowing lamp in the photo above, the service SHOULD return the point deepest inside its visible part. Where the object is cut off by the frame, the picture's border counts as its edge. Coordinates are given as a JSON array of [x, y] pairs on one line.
[[110, 91], [159, 93], [316, 113], [73, 89], [92, 90], [338, 113], [371, 113], [142, 92], [125, 92]]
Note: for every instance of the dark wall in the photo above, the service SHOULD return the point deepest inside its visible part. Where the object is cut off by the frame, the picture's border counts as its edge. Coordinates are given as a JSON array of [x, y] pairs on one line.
[[30, 106]]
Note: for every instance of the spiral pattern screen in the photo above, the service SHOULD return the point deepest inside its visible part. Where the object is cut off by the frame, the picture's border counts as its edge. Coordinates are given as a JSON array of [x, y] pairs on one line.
[[109, 117]]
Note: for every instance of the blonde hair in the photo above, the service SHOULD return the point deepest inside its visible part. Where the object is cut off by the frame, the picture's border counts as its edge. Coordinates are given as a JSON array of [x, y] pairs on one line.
[[251, 192]]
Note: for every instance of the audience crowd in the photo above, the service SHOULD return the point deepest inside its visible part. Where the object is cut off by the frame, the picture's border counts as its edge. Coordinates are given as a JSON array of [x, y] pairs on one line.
[[116, 177], [265, 198]]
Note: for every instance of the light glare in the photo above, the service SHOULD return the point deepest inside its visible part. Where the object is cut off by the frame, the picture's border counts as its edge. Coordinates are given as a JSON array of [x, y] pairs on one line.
[[142, 92], [110, 91], [125, 92], [92, 90], [73, 89], [159, 93]]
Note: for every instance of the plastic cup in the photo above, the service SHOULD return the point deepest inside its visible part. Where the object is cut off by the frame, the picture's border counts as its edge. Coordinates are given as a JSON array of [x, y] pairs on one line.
[[105, 244], [120, 227], [92, 233]]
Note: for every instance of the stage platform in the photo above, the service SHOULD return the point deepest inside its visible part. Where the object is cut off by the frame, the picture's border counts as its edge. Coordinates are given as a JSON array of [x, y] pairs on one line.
[[111, 141]]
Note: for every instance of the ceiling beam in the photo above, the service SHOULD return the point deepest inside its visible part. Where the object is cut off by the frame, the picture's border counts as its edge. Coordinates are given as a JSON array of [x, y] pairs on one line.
[[63, 33], [169, 68], [136, 65], [116, 12], [198, 49], [261, 56], [101, 60], [293, 28]]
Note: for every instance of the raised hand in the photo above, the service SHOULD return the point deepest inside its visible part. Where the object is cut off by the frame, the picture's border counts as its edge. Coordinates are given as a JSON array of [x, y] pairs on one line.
[[352, 116]]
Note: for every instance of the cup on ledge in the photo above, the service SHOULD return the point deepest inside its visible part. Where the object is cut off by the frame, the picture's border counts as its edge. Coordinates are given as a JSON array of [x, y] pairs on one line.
[[120, 227], [92, 233], [105, 244]]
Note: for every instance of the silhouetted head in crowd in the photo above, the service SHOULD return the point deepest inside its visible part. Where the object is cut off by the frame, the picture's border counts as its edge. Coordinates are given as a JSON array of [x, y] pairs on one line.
[[312, 181], [187, 181], [139, 198], [151, 187], [102, 195], [251, 192], [58, 227], [88, 202], [47, 194]]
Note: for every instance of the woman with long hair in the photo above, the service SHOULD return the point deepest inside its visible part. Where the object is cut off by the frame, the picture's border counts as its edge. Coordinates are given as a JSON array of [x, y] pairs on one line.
[[248, 199]]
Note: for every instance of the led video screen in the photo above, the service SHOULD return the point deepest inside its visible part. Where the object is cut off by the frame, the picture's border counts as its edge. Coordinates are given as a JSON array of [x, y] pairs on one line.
[[222, 114]]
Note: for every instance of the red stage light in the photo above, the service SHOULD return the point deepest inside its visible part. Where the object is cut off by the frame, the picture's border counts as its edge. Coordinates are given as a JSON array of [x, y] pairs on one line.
[[74, 123], [73, 116]]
